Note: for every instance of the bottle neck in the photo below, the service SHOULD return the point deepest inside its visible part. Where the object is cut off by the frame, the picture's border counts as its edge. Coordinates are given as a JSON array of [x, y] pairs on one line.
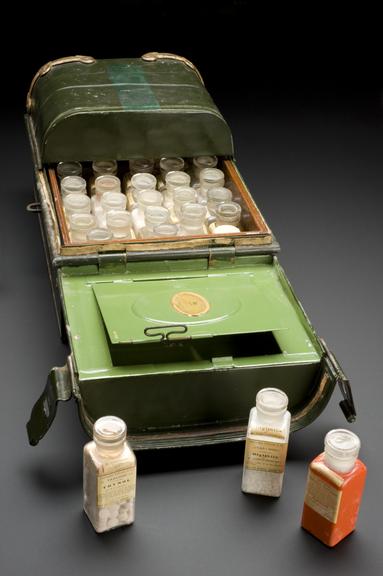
[[270, 419], [112, 451], [338, 465]]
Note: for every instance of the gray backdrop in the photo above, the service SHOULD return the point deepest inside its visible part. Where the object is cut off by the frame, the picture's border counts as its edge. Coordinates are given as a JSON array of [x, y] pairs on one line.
[[314, 168]]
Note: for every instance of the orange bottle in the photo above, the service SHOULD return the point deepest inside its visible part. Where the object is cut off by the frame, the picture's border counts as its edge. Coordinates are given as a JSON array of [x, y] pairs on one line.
[[334, 488]]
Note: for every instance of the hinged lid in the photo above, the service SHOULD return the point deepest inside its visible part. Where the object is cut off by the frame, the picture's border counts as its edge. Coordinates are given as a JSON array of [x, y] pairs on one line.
[[208, 305], [170, 319], [85, 109]]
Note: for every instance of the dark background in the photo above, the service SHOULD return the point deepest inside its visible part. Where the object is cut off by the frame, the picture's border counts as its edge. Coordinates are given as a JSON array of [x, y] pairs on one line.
[[302, 91]]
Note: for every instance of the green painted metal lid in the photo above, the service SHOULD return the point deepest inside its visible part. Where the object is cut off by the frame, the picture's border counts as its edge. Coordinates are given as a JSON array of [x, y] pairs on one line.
[[85, 109]]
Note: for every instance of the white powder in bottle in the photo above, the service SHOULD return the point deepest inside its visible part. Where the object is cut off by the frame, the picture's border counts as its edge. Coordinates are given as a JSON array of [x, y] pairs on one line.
[[266, 444], [109, 476]]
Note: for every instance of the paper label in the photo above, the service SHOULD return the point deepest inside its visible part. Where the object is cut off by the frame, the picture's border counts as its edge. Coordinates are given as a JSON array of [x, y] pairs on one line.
[[267, 431], [323, 497], [265, 456], [117, 486], [190, 303]]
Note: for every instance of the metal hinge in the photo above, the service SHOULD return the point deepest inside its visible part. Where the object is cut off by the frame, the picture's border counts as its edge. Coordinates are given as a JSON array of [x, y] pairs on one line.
[[111, 262], [222, 257]]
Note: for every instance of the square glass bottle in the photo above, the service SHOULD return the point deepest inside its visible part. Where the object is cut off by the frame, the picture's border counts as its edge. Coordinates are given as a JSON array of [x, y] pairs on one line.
[[334, 488], [266, 444], [109, 476]]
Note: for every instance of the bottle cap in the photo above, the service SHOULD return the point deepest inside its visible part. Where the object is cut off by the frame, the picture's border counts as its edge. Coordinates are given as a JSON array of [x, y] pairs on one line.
[[342, 444], [169, 164], [69, 169], [104, 167], [205, 161], [272, 401]]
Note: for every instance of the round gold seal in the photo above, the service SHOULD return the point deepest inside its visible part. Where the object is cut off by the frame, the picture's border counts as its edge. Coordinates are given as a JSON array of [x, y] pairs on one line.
[[190, 303]]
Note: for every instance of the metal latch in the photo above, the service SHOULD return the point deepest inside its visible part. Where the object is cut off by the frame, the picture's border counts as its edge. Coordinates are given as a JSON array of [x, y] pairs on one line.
[[347, 404], [58, 388]]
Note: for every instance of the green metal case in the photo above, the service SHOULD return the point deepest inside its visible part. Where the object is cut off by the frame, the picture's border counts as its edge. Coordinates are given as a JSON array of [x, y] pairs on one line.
[[174, 337]]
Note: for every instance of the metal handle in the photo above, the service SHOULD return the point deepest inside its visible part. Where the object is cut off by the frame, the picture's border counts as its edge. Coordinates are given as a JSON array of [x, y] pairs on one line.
[[48, 66], [153, 331], [33, 207], [153, 56]]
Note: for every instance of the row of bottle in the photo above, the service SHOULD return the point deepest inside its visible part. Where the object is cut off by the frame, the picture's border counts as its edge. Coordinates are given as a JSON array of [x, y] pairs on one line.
[[142, 166], [144, 206], [334, 485]]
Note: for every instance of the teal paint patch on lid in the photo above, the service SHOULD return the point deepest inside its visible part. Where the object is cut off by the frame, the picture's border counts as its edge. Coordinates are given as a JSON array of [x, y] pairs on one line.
[[131, 86]]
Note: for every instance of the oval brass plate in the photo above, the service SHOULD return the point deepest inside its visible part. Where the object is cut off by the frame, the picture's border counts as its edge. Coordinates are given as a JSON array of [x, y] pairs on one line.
[[190, 303]]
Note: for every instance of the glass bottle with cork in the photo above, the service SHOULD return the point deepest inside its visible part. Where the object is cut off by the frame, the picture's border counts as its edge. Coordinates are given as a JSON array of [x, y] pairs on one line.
[[334, 488], [109, 476], [266, 443]]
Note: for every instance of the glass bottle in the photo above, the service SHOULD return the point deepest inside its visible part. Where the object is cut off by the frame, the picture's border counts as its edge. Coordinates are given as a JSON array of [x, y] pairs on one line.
[[154, 216], [216, 196], [201, 162], [80, 224], [119, 223], [73, 185], [228, 213], [109, 201], [334, 488], [163, 230], [113, 201], [145, 198], [171, 164], [99, 235], [141, 165], [192, 219], [109, 476], [142, 181], [106, 183], [102, 168], [68, 169], [266, 443], [174, 180], [137, 166], [76, 203], [210, 178], [183, 195]]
